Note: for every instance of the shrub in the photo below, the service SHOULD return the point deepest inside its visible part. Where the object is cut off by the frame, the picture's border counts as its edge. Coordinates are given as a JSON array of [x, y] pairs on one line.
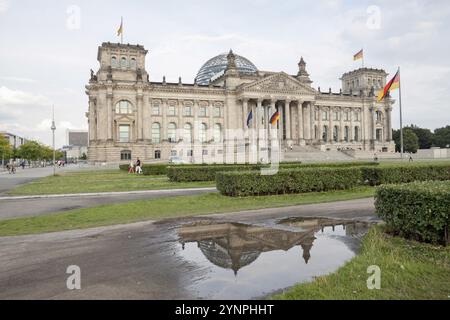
[[288, 181], [404, 173], [187, 173], [419, 210]]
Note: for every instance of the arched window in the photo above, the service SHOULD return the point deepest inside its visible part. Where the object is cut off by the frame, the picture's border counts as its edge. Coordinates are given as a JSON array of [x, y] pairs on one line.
[[356, 134], [336, 133], [114, 62], [217, 133], [133, 63], [203, 128], [187, 132], [325, 134], [156, 132], [316, 133], [379, 115], [172, 132], [124, 107], [346, 134], [123, 62]]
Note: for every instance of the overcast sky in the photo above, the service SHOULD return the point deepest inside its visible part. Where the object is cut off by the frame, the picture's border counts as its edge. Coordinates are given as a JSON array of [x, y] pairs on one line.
[[48, 47]]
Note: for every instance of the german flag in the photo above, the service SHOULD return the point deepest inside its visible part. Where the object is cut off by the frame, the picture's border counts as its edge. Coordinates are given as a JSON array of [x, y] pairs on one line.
[[359, 55], [391, 85], [274, 118]]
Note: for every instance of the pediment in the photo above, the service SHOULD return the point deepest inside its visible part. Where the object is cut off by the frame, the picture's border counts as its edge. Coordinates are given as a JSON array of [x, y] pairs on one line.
[[278, 83]]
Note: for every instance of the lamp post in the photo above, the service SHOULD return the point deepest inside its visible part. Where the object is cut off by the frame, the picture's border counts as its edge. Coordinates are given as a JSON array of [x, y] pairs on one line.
[[53, 127]]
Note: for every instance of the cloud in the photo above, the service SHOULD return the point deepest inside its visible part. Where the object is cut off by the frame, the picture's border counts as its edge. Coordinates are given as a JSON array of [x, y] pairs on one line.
[[18, 79], [4, 6], [18, 97]]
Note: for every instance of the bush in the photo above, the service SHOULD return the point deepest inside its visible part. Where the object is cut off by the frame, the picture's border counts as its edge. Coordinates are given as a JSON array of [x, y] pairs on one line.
[[419, 210], [149, 169], [403, 174], [288, 181], [187, 173]]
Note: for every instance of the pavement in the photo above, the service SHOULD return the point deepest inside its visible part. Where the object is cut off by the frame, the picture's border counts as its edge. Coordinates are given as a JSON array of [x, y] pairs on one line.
[[134, 261]]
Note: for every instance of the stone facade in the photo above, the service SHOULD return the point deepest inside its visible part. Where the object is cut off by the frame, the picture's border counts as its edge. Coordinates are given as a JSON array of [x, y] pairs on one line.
[[130, 116]]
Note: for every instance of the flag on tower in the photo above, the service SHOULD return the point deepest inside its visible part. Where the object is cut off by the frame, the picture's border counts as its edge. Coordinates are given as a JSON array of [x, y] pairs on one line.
[[249, 118], [120, 30], [391, 85], [359, 55]]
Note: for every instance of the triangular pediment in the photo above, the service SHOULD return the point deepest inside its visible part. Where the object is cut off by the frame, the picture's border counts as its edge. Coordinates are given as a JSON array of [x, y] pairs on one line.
[[278, 83]]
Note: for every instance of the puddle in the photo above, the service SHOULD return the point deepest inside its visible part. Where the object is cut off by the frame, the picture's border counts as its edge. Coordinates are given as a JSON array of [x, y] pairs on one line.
[[238, 261]]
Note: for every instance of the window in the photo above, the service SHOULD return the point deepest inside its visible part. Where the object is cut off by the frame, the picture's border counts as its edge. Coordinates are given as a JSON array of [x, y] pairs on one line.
[[336, 133], [188, 111], [357, 115], [114, 62], [379, 116], [356, 133], [217, 133], [124, 133], [188, 132], [172, 132], [189, 153], [316, 115], [325, 115], [203, 129], [157, 154], [347, 116], [204, 152], [125, 155], [316, 132], [379, 135], [155, 109], [202, 112], [217, 112], [325, 134], [133, 63], [123, 62], [346, 134], [123, 107], [171, 111], [156, 132], [173, 153], [336, 115]]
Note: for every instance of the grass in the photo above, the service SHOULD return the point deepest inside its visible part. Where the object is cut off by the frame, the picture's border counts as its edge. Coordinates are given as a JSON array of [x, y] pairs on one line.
[[100, 181], [156, 209], [409, 270]]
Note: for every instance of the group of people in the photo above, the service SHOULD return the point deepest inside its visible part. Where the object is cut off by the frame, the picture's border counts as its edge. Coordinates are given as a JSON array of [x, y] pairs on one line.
[[135, 167], [11, 166]]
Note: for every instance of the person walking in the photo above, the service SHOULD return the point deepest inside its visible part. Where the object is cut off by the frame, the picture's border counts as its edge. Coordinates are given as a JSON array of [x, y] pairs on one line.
[[138, 166], [410, 157], [131, 167]]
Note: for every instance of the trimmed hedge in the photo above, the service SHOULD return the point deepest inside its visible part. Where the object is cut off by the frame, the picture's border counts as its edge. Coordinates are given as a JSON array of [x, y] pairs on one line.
[[419, 210], [403, 174], [288, 181], [208, 172], [149, 169]]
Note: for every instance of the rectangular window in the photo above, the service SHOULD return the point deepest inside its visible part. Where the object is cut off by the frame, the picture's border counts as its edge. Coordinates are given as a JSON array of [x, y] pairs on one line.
[[356, 116], [202, 112], [171, 111], [324, 115], [155, 110], [124, 133], [347, 116], [336, 115], [187, 111], [316, 115], [217, 112]]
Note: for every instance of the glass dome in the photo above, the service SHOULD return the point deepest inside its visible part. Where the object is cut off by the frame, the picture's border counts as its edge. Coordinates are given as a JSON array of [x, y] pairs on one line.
[[216, 66]]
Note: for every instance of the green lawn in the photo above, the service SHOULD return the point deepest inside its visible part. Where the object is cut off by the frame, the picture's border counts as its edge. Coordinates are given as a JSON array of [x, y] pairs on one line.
[[165, 208], [100, 181], [409, 270]]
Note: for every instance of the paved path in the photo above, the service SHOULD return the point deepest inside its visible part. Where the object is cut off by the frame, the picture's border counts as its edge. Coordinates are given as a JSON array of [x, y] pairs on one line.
[[16, 207], [135, 261]]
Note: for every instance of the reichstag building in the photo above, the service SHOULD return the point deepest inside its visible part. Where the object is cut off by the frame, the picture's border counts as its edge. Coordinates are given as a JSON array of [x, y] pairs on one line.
[[132, 116]]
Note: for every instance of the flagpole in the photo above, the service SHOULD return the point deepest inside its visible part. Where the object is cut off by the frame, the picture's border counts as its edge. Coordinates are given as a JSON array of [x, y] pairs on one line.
[[121, 33], [401, 115], [363, 57]]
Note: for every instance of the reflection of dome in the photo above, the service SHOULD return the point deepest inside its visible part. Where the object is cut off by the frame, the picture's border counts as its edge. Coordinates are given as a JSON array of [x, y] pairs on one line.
[[222, 257], [217, 65]]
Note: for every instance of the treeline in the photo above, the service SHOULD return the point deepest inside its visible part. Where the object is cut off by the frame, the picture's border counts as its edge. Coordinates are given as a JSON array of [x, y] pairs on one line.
[[415, 138], [31, 151]]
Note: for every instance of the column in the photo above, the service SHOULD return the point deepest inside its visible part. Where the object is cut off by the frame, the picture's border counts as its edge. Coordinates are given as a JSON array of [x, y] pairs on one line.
[[330, 126], [244, 110], [312, 119], [306, 122], [389, 125], [180, 126], [374, 126], [341, 124], [320, 125], [109, 97], [164, 108], [300, 120], [352, 129], [287, 110], [139, 116]]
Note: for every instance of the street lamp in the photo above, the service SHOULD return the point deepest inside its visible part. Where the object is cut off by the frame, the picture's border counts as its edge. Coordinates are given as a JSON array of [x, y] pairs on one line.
[[53, 127]]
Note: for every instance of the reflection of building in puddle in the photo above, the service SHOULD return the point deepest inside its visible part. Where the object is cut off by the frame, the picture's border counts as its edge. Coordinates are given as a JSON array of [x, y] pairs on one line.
[[352, 228], [233, 246]]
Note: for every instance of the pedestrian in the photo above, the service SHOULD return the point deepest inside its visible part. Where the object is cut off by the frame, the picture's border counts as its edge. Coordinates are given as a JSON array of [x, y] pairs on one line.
[[22, 164], [291, 147], [138, 166], [131, 167], [410, 157], [375, 157], [13, 167]]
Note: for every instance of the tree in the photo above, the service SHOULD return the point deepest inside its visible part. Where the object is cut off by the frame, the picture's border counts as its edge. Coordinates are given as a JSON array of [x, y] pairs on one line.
[[425, 136], [442, 137], [6, 150], [83, 156], [30, 150], [410, 140]]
